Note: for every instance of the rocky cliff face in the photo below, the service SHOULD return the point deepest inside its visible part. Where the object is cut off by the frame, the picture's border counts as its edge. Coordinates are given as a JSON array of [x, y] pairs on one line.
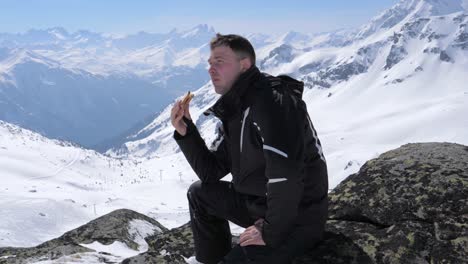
[[409, 205]]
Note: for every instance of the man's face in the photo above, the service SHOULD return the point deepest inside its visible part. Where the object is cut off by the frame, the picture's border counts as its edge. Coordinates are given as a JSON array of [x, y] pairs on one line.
[[225, 68]]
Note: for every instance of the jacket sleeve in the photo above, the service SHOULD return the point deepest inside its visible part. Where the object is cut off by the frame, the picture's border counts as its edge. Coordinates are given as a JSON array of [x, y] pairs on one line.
[[209, 165], [279, 121]]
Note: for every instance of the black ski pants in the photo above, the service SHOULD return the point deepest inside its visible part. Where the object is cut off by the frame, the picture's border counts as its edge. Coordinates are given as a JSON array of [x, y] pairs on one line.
[[213, 204]]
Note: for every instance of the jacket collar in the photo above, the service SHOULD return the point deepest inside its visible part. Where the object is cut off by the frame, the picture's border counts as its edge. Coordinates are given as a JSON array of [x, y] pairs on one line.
[[230, 104]]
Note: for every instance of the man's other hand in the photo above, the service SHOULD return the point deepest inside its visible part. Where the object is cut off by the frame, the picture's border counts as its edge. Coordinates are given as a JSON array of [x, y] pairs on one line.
[[251, 236]]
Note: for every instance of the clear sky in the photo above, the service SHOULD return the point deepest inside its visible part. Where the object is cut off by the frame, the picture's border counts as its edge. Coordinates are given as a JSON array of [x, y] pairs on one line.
[[237, 16]]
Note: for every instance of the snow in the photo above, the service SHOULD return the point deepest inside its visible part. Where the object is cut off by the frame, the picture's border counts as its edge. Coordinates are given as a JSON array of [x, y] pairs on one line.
[[86, 258], [430, 106], [103, 54], [406, 10], [19, 56], [159, 142], [192, 260], [117, 249], [139, 230], [192, 57], [50, 187]]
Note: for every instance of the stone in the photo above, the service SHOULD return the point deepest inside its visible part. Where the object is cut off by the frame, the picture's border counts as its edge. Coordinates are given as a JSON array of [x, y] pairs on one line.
[[106, 229]]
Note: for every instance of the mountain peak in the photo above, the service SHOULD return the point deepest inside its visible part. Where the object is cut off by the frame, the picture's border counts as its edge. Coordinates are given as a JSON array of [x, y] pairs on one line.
[[427, 7], [20, 56], [57, 30], [436, 7], [407, 9], [293, 36], [201, 29]]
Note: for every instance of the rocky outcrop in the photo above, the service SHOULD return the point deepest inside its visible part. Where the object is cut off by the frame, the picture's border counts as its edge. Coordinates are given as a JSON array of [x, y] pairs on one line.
[[397, 54], [168, 247], [409, 205], [115, 226], [279, 55]]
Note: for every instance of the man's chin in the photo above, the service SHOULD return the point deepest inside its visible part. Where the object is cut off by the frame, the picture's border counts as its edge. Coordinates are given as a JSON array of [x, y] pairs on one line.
[[218, 89]]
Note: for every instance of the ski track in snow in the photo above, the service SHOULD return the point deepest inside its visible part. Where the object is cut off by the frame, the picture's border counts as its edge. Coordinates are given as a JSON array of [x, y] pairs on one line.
[[66, 166]]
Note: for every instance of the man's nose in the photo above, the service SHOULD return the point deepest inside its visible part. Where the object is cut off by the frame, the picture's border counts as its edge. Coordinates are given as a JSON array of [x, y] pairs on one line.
[[211, 69]]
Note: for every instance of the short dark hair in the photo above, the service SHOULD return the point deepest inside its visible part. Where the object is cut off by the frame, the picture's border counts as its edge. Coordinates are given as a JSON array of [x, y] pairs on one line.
[[240, 45]]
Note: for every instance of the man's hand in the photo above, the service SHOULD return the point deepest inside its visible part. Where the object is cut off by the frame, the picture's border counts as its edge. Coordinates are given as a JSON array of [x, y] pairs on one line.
[[252, 235], [178, 111]]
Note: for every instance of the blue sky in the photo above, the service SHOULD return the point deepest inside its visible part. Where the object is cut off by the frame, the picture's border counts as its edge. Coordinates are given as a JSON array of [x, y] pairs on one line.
[[239, 16]]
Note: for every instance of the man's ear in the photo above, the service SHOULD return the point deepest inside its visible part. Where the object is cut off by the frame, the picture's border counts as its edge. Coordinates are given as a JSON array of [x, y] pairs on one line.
[[245, 64]]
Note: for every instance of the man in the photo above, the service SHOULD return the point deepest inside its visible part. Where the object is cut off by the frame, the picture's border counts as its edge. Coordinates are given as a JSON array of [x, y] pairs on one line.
[[269, 145]]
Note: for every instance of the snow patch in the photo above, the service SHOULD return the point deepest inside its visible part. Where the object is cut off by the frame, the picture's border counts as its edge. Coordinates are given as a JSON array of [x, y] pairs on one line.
[[139, 230], [117, 249]]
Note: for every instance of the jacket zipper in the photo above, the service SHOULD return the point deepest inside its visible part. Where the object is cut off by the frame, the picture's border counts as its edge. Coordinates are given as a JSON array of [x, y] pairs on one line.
[[246, 113]]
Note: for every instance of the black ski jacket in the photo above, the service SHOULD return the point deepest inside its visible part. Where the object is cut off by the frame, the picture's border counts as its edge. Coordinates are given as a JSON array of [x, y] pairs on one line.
[[269, 145]]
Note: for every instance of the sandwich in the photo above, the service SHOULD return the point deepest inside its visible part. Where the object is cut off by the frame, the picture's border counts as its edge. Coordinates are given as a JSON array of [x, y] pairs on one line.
[[187, 98]]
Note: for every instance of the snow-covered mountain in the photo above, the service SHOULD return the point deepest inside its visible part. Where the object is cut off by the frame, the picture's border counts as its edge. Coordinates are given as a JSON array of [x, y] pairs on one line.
[[95, 89], [92, 88], [51, 186], [142, 53], [403, 81], [38, 93], [156, 138], [406, 11]]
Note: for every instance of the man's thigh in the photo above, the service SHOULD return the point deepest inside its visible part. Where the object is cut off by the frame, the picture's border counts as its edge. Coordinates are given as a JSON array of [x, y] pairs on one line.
[[221, 200]]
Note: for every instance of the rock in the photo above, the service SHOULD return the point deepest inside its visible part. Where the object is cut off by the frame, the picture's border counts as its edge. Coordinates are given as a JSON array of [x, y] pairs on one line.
[[397, 53], [436, 36], [106, 229], [445, 57], [407, 206], [168, 247], [460, 18], [281, 54], [173, 246], [434, 50], [316, 81], [327, 72], [414, 28], [461, 40], [343, 71], [311, 67], [152, 257]]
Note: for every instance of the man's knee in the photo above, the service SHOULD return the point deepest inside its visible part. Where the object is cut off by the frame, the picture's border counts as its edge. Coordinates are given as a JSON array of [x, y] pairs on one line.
[[194, 191]]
